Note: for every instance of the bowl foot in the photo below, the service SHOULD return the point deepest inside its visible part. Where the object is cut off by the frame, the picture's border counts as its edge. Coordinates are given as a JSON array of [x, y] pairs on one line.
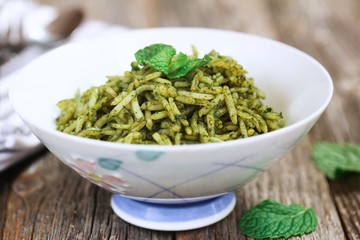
[[173, 217]]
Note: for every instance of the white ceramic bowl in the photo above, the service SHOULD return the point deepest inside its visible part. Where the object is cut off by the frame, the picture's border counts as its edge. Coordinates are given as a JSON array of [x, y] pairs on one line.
[[294, 83]]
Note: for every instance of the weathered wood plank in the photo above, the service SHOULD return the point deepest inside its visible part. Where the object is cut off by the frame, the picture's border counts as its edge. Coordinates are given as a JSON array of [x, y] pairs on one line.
[[332, 38], [346, 196]]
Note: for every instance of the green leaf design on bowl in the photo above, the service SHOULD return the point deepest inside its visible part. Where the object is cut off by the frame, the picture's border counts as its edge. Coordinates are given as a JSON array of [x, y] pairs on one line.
[[109, 164], [148, 155]]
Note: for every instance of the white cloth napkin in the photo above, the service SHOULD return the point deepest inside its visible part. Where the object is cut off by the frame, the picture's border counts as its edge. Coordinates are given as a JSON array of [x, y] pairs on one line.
[[16, 140]]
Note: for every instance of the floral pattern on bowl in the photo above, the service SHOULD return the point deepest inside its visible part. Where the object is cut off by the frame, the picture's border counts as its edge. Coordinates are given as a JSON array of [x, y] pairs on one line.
[[102, 172]]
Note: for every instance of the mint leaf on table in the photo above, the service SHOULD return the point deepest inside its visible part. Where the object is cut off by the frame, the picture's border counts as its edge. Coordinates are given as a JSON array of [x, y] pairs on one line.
[[270, 219], [161, 57], [336, 160]]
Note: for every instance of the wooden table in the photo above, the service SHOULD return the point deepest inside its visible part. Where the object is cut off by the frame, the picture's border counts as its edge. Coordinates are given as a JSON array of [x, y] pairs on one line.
[[42, 198]]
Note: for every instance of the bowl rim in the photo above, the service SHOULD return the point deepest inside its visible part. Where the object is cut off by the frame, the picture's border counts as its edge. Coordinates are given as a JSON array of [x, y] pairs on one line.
[[190, 147]]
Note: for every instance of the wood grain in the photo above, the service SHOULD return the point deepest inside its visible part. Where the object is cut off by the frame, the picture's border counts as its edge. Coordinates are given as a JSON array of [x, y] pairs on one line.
[[44, 199]]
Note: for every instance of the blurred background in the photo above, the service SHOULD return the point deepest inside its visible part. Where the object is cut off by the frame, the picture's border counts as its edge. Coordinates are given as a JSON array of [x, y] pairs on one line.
[[198, 13]]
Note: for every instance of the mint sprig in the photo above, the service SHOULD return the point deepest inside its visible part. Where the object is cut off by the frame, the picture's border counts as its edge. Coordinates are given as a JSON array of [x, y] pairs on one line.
[[162, 58], [157, 55], [270, 219], [336, 160]]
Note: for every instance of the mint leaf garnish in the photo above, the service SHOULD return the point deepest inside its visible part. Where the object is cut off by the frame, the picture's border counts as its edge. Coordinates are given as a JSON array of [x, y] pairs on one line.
[[182, 65], [161, 57], [336, 160], [157, 56], [270, 219]]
